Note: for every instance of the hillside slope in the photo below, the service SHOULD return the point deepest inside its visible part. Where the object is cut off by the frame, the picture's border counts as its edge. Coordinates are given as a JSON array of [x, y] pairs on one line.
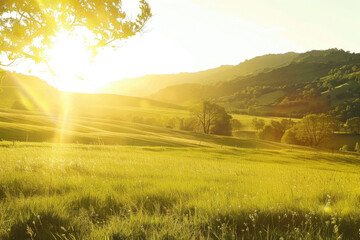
[[309, 73], [27, 92], [37, 127], [293, 75], [150, 84]]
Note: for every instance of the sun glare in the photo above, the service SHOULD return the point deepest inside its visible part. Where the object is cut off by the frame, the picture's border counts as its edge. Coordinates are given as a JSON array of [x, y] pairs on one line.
[[70, 62]]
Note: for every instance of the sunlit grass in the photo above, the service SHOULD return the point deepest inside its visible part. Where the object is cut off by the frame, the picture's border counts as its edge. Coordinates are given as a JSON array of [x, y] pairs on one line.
[[246, 120], [93, 192], [38, 127]]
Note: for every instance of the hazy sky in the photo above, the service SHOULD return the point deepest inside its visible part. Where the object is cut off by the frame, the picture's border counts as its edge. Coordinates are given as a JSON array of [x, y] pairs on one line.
[[191, 35]]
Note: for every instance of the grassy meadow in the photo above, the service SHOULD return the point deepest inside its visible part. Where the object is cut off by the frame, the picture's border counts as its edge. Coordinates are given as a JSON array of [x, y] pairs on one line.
[[111, 128], [85, 166], [74, 191], [112, 178], [20, 125]]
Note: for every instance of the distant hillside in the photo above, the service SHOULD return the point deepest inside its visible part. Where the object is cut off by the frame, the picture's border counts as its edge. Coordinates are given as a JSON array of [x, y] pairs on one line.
[[290, 75], [150, 84], [31, 93], [288, 84], [298, 86], [27, 92], [264, 63], [147, 85]]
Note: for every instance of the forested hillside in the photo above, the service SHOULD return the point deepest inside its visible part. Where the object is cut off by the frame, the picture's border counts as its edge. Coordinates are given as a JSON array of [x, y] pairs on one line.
[[313, 82]]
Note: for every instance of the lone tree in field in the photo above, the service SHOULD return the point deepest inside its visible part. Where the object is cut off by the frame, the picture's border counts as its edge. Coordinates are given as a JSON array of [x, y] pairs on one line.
[[314, 129], [28, 27], [212, 118]]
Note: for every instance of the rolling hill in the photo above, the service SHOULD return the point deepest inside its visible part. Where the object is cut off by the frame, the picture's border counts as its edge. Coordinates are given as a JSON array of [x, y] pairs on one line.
[[33, 111], [150, 84], [31, 93], [315, 70], [293, 75], [38, 127]]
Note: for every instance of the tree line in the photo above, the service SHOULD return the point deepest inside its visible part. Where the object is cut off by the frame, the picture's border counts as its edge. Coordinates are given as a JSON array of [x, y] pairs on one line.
[[312, 130]]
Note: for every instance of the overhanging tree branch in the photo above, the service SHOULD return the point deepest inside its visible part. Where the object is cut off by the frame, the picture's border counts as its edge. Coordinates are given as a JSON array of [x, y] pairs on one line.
[[27, 27]]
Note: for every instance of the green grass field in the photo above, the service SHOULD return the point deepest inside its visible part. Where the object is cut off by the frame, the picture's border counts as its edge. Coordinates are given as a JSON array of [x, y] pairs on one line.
[[246, 120], [112, 178], [54, 191], [39, 127]]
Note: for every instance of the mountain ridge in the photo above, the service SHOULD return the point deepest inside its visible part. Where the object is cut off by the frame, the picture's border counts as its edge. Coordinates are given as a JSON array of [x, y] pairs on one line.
[[150, 84], [300, 83]]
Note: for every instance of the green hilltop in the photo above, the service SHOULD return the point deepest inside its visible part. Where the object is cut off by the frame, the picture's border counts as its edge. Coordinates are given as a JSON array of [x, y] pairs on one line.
[[314, 77], [150, 84]]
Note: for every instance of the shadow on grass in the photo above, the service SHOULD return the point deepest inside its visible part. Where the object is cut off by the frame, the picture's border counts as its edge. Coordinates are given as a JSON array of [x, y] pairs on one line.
[[97, 208], [156, 221], [46, 225], [289, 224]]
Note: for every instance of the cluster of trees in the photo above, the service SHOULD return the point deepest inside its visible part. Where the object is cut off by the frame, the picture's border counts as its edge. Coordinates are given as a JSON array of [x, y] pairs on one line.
[[300, 97], [347, 110], [308, 96], [258, 124], [206, 117], [343, 71], [273, 131], [210, 118], [313, 130], [247, 97], [337, 76], [311, 94]]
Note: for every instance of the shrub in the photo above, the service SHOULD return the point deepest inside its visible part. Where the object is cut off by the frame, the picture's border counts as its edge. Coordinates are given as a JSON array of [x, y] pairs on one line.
[[343, 148], [235, 124], [289, 137]]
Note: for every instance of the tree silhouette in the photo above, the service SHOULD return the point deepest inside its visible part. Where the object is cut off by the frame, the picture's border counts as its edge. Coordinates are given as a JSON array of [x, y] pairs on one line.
[[212, 118], [314, 129], [28, 27]]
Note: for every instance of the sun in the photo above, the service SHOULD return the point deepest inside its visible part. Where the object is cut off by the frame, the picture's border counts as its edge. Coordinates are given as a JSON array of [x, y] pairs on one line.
[[70, 61]]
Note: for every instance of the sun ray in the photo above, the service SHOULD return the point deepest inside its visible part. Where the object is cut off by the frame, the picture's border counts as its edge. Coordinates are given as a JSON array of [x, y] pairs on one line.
[[71, 61]]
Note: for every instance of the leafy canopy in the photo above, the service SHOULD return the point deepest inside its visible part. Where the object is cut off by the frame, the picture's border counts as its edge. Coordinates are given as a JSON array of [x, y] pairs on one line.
[[314, 129], [28, 27], [212, 118]]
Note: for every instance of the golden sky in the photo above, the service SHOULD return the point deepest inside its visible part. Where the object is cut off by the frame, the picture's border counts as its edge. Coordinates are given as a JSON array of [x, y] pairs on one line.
[[193, 35]]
